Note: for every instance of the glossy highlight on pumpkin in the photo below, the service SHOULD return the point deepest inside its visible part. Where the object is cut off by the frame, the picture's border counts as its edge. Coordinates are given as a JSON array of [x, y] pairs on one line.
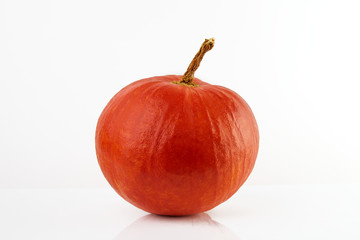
[[172, 149]]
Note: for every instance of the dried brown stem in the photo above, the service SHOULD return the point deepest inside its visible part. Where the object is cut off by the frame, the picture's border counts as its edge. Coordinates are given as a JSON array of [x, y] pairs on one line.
[[188, 76]]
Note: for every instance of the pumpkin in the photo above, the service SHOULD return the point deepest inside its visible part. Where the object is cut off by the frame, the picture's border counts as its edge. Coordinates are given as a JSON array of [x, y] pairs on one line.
[[175, 145]]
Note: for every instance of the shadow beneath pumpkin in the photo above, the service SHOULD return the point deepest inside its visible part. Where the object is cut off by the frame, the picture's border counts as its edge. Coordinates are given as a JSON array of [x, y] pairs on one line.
[[199, 226]]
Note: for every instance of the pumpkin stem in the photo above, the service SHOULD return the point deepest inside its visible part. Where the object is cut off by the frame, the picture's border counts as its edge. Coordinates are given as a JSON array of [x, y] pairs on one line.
[[188, 76]]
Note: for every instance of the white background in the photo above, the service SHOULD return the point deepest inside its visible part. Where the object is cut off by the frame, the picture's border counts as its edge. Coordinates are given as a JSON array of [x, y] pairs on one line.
[[297, 64]]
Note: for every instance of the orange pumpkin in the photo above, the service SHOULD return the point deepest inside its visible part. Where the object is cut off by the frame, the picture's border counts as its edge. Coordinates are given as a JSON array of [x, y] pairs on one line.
[[175, 145]]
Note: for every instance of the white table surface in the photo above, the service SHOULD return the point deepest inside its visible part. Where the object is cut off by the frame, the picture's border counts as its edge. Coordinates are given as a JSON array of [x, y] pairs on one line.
[[255, 212]]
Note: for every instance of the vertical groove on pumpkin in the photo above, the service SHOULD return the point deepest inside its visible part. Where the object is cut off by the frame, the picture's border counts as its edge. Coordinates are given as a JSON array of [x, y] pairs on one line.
[[209, 120], [233, 121], [244, 107], [156, 131]]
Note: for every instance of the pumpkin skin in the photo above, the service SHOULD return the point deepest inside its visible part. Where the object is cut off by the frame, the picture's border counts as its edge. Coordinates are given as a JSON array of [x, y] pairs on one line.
[[172, 149]]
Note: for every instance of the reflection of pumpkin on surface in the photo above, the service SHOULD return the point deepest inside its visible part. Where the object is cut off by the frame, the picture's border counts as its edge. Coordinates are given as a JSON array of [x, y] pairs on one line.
[[194, 227]]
